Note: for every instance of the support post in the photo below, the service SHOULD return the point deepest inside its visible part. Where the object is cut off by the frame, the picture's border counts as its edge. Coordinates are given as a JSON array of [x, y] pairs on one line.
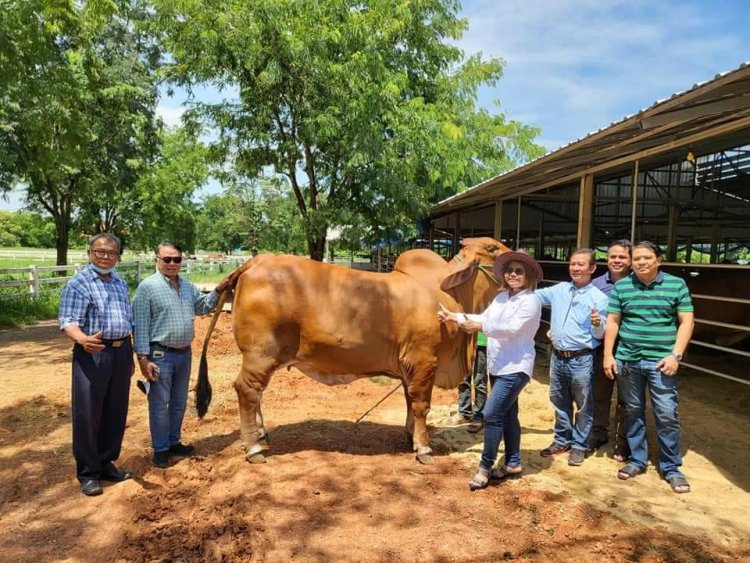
[[634, 201], [585, 211], [498, 223]]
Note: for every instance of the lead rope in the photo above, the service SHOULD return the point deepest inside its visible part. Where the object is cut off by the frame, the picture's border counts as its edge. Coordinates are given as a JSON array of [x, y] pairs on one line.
[[391, 392]]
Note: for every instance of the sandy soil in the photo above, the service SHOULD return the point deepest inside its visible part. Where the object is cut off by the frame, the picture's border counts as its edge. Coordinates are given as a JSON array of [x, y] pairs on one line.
[[333, 490]]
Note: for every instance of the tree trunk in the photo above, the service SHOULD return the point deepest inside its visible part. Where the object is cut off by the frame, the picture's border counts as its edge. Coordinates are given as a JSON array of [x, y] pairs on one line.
[[317, 247], [62, 232]]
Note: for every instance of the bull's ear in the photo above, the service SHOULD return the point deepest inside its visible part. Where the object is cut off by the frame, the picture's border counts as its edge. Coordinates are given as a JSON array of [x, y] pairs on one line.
[[463, 270], [458, 277]]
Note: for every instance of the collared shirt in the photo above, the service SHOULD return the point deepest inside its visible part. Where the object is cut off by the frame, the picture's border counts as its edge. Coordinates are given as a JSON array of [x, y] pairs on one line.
[[604, 283], [648, 315], [571, 315], [165, 315], [95, 304], [510, 324]]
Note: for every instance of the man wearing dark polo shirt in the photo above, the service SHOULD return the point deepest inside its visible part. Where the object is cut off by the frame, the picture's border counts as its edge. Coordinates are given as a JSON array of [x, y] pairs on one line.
[[652, 314], [619, 258]]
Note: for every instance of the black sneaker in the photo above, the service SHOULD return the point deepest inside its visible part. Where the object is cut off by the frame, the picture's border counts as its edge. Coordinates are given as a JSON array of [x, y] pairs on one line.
[[576, 457], [91, 488], [160, 459], [554, 449], [181, 449]]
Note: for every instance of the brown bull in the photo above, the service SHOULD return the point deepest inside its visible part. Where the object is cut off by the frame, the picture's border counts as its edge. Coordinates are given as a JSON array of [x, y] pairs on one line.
[[337, 325]]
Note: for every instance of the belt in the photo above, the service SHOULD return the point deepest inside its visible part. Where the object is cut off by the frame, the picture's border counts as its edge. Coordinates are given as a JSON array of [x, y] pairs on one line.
[[169, 348], [573, 353], [115, 343]]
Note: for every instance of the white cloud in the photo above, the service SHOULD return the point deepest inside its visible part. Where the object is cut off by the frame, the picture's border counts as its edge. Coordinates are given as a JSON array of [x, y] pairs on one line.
[[170, 114], [574, 66]]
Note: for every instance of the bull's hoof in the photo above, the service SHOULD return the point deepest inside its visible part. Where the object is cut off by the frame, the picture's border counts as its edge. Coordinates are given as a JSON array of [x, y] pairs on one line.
[[425, 459], [256, 458]]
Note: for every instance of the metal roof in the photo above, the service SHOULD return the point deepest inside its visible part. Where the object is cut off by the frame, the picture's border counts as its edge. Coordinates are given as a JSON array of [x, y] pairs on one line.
[[711, 116]]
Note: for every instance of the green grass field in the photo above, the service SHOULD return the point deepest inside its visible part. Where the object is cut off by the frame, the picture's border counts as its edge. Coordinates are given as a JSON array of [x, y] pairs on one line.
[[22, 308]]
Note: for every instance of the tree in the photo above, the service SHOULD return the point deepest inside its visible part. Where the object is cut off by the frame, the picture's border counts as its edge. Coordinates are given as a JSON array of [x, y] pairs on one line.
[[360, 105], [20, 228], [257, 216], [78, 102], [159, 205]]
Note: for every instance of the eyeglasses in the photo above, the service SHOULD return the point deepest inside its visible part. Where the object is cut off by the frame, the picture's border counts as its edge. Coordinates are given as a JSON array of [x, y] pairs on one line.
[[104, 253], [518, 271], [170, 259]]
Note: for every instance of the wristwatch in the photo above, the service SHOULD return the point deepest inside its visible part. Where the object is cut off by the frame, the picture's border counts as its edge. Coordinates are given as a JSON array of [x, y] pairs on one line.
[[677, 356]]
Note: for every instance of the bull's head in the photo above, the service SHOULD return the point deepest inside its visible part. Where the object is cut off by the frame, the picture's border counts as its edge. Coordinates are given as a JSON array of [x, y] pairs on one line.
[[474, 263]]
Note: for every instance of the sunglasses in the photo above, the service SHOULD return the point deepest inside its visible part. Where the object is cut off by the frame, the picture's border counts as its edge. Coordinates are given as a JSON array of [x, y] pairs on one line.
[[105, 253], [518, 271], [170, 259]]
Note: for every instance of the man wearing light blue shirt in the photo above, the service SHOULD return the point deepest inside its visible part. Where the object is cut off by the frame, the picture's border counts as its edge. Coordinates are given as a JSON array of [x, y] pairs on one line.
[[164, 308], [578, 319]]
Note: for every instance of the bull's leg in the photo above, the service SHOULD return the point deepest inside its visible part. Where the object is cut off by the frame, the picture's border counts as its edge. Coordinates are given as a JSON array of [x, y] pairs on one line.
[[263, 435], [409, 412], [420, 393], [249, 385]]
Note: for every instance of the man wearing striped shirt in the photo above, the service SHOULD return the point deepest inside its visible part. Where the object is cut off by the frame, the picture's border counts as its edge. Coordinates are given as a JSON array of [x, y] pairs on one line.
[[652, 314], [164, 308]]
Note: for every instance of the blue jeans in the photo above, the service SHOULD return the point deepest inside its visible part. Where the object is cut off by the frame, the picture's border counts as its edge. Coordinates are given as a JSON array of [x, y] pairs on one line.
[[634, 377], [479, 375], [569, 384], [167, 399], [501, 419]]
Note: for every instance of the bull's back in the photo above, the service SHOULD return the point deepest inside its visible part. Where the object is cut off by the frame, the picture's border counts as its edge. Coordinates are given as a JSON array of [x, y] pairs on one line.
[[329, 318]]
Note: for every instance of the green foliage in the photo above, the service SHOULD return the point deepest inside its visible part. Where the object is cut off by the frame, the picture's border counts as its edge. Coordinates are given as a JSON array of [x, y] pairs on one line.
[[19, 228], [257, 216], [366, 108], [77, 118], [25, 310]]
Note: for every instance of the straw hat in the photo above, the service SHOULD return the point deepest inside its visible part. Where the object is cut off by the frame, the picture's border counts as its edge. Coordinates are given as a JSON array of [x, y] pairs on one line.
[[531, 265]]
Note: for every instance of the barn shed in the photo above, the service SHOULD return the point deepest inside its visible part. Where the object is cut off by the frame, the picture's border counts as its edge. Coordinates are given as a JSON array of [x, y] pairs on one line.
[[676, 173]]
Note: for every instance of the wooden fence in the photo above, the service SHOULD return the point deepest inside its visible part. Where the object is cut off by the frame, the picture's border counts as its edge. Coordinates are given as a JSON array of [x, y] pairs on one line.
[[35, 281]]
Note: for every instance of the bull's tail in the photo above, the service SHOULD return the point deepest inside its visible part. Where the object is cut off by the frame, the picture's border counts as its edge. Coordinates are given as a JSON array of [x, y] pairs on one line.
[[203, 390]]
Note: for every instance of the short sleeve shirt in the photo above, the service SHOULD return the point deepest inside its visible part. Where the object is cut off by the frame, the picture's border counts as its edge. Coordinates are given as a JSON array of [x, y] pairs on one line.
[[648, 315]]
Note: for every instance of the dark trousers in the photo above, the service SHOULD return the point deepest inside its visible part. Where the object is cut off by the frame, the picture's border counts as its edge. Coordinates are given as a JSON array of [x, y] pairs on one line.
[[101, 388], [603, 387], [474, 409]]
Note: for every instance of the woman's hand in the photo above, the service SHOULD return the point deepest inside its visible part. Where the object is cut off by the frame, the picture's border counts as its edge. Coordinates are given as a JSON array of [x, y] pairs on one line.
[[444, 315]]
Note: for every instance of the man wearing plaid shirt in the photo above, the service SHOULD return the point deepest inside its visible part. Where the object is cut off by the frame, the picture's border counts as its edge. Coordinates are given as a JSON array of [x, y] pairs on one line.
[[95, 313], [164, 308]]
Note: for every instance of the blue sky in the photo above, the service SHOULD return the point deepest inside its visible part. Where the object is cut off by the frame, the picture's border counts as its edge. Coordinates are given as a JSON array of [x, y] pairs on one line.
[[575, 66]]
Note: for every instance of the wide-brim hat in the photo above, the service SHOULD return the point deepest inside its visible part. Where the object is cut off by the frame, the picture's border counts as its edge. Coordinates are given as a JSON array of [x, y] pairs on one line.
[[531, 265]]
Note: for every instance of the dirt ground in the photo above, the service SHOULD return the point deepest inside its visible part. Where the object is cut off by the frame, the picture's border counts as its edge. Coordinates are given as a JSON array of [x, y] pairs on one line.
[[333, 490]]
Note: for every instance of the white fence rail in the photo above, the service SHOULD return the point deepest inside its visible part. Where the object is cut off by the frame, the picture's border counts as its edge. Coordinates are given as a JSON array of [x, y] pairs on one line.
[[35, 280]]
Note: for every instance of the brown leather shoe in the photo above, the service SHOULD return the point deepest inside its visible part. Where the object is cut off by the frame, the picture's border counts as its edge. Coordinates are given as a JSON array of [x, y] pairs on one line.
[[554, 449]]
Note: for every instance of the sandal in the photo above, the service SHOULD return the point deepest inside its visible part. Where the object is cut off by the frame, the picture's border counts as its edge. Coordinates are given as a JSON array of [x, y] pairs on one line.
[[480, 480], [629, 471], [475, 426], [679, 484], [503, 472]]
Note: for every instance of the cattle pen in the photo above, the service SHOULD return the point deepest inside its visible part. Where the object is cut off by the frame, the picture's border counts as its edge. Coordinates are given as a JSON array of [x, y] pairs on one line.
[[676, 173]]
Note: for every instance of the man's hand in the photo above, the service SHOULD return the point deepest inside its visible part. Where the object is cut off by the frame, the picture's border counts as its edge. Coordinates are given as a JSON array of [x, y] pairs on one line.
[[92, 343], [668, 366], [610, 366], [149, 369], [223, 284], [596, 318]]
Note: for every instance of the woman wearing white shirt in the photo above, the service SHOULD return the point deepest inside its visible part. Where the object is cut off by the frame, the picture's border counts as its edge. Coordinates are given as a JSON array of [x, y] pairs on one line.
[[510, 323]]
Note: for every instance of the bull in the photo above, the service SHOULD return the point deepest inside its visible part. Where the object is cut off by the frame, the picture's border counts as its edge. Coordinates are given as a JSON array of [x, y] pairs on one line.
[[336, 325]]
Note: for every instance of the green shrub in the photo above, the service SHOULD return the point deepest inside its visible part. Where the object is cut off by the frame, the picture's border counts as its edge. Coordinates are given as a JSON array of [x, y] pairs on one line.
[[27, 310]]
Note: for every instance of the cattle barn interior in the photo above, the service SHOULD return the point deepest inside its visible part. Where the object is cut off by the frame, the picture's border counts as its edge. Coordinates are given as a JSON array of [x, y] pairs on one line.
[[676, 173]]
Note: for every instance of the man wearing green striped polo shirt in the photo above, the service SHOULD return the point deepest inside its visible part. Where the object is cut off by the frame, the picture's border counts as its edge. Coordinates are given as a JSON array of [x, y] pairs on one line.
[[652, 313]]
